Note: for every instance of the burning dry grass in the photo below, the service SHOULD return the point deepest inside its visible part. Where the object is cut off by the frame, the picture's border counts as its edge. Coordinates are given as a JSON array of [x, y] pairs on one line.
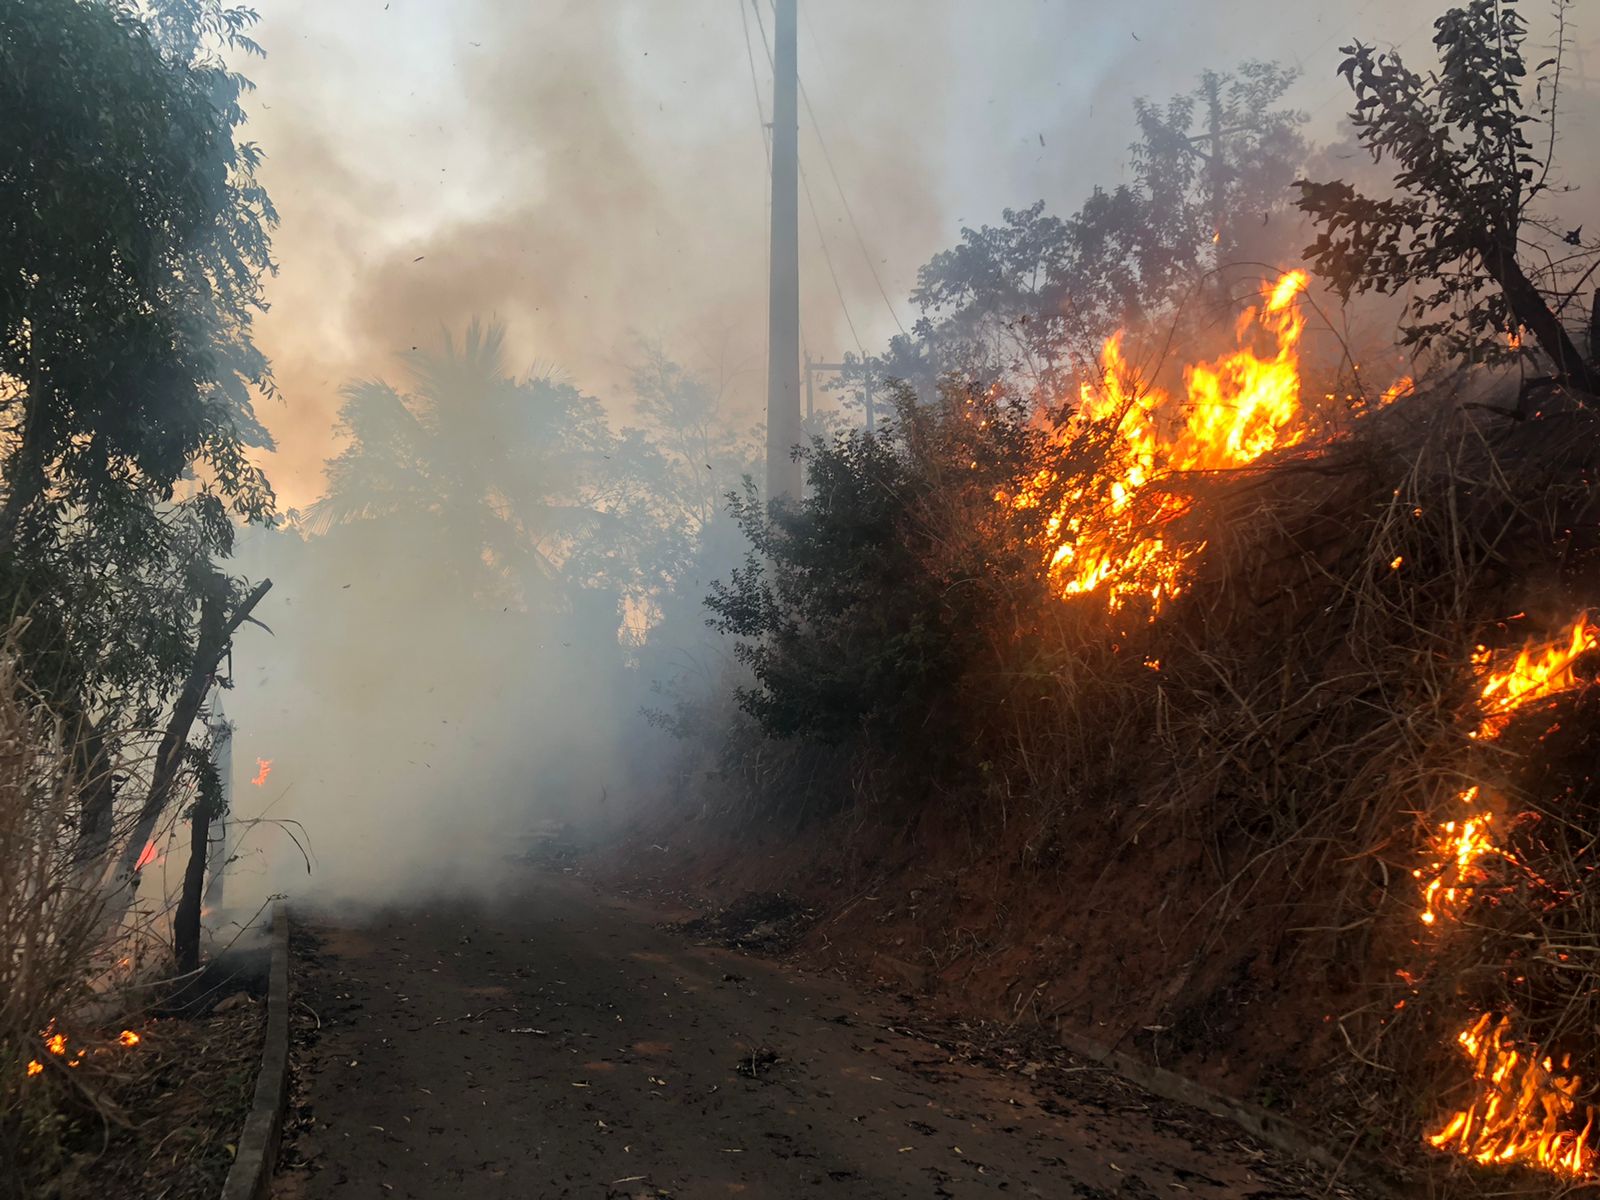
[[1329, 678], [1314, 705]]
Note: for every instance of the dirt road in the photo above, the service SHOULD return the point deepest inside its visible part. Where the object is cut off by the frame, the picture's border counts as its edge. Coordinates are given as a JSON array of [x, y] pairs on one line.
[[562, 1044]]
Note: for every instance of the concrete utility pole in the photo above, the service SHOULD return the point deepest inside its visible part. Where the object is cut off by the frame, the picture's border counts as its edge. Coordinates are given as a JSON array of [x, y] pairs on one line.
[[783, 315]]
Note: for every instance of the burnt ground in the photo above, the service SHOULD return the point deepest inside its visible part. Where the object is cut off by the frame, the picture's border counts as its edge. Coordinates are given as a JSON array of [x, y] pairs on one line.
[[561, 1043]]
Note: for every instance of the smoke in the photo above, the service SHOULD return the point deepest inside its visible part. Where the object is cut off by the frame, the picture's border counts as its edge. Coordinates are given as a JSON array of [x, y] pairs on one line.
[[594, 175]]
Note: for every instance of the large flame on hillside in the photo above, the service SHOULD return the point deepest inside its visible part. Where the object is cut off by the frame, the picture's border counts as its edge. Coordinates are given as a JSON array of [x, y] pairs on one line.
[[1523, 1108], [1106, 535]]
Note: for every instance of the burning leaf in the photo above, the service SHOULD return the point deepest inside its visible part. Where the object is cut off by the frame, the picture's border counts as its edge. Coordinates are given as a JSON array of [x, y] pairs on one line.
[[263, 769], [128, 1038]]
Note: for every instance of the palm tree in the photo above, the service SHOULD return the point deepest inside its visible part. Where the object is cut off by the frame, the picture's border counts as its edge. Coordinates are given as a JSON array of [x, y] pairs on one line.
[[496, 480]]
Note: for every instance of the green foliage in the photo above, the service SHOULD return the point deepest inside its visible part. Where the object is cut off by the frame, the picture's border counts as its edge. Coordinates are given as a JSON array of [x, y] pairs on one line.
[[859, 608], [135, 235], [1463, 223]]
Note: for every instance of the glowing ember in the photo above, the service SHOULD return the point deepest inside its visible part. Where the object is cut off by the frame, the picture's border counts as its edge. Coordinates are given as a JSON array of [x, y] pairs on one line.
[[56, 1043], [1235, 409], [35, 1067], [1518, 1108], [1536, 672], [128, 1038], [263, 769], [1454, 875]]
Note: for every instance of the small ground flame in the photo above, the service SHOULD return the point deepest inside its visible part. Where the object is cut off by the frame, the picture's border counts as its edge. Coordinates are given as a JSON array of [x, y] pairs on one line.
[[1538, 670], [1522, 1110], [128, 1038], [263, 769], [1520, 1107], [1459, 847]]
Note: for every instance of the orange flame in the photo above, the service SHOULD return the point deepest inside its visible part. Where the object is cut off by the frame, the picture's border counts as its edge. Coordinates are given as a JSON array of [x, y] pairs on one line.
[[128, 1038], [146, 856], [56, 1043], [1452, 877], [1519, 1107], [263, 769], [1404, 386], [1235, 409], [1521, 1111], [35, 1067], [1536, 672]]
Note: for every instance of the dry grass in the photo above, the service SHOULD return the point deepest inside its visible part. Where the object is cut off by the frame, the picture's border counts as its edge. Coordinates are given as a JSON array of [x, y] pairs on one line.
[[63, 962], [1309, 725], [1297, 722]]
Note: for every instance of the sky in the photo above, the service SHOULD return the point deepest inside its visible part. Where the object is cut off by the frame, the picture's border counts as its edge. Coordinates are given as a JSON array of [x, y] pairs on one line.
[[593, 172]]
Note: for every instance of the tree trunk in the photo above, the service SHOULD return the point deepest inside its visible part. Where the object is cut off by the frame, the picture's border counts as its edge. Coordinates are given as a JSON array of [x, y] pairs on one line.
[[215, 633], [96, 794], [186, 921], [1594, 329], [1531, 311], [27, 468]]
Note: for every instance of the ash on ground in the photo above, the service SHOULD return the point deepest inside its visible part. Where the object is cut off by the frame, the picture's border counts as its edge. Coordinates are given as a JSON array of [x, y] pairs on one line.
[[762, 922]]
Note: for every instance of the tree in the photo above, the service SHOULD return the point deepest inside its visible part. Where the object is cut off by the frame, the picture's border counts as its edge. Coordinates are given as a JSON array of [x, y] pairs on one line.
[[1033, 298], [136, 238], [685, 415], [516, 488], [1464, 223]]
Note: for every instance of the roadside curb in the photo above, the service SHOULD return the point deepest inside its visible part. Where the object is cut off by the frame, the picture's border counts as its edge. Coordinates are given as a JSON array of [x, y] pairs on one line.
[[1276, 1131], [250, 1177]]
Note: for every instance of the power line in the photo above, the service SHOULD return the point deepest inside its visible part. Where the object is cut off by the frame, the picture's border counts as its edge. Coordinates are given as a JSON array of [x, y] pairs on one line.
[[755, 85], [805, 183], [821, 237], [866, 255], [805, 14], [822, 241]]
